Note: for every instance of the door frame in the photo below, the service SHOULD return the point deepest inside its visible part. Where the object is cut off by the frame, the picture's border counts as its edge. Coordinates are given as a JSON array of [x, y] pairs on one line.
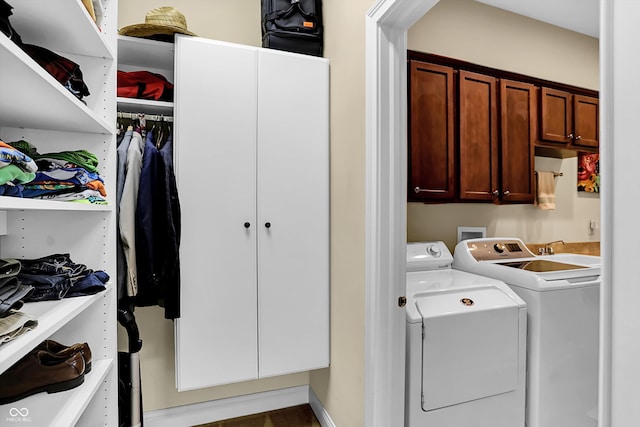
[[387, 22]]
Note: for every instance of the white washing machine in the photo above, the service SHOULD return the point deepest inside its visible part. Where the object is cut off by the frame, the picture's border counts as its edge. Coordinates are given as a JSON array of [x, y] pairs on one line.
[[466, 345], [562, 296]]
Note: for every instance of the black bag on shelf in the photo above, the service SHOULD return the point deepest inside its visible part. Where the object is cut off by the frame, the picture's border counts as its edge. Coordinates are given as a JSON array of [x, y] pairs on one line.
[[293, 25], [5, 25]]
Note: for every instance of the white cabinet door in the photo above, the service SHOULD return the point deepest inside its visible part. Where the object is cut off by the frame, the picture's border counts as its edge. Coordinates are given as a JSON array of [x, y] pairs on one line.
[[293, 196], [215, 119]]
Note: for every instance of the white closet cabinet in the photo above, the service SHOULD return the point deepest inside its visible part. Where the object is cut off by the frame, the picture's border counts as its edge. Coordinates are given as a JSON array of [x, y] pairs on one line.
[[252, 165], [36, 108]]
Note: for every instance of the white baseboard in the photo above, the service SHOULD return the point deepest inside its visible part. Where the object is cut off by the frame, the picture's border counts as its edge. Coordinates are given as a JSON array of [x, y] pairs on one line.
[[222, 409], [321, 414]]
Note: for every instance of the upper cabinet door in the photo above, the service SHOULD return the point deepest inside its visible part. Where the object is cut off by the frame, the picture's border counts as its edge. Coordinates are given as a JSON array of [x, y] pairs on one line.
[[215, 162], [586, 121], [556, 116], [518, 108], [478, 137], [431, 132], [293, 212]]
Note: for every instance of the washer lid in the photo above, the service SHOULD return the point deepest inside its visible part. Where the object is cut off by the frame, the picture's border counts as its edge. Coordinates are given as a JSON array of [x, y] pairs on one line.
[[471, 346], [464, 301]]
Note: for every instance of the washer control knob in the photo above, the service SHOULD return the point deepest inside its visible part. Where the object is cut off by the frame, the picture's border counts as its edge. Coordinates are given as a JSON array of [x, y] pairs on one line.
[[499, 247], [434, 251]]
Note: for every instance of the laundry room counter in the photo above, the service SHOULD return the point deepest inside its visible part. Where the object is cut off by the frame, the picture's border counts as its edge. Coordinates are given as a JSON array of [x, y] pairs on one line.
[[584, 248]]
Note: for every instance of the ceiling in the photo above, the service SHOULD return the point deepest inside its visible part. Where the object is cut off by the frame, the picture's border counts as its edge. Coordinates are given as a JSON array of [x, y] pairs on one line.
[[581, 16]]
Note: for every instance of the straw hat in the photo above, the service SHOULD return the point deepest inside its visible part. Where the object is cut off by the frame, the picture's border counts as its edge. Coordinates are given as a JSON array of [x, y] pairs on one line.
[[163, 20]]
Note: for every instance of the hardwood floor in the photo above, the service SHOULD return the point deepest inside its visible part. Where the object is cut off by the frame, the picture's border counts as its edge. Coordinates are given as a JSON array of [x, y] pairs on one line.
[[295, 416]]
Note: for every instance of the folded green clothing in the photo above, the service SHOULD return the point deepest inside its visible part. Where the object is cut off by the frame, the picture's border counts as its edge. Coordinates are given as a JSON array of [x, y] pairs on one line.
[[80, 158]]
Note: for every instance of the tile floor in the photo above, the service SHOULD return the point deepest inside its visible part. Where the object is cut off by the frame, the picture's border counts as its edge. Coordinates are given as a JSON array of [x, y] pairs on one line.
[[295, 416]]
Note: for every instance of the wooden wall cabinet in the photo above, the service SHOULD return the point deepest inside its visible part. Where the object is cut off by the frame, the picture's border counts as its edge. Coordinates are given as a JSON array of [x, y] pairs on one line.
[[518, 118], [471, 136], [474, 131], [432, 170], [497, 136], [478, 148], [568, 120]]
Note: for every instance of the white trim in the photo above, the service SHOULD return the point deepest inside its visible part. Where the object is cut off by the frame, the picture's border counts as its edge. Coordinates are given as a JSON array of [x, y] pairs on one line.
[[606, 209], [222, 409], [319, 411], [387, 22], [386, 46]]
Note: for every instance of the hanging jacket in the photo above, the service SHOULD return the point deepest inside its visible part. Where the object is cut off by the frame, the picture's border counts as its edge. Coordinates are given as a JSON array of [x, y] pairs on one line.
[[158, 230]]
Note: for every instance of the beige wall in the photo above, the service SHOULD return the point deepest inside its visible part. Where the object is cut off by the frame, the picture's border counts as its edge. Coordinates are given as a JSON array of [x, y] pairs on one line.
[[481, 34], [341, 387]]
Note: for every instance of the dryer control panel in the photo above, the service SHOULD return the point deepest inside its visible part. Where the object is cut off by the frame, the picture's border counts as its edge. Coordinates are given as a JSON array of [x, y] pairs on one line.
[[497, 248]]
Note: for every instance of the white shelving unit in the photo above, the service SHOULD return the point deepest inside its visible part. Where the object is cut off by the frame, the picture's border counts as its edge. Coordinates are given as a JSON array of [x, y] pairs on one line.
[[137, 54], [36, 108]]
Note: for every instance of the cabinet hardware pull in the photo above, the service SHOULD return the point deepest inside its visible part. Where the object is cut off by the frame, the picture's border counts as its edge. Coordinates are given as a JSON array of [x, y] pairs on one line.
[[267, 224], [418, 190], [495, 193], [578, 138], [570, 136], [506, 193], [247, 225]]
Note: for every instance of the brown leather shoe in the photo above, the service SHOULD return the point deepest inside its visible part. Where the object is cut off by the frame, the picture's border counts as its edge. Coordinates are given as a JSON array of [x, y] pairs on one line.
[[41, 371], [62, 350]]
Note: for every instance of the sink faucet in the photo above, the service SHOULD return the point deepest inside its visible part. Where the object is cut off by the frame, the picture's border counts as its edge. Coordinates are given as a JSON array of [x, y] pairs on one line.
[[547, 249]]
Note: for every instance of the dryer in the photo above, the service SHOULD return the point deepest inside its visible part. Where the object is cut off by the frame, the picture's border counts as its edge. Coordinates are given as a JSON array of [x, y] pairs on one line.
[[466, 345], [562, 293]]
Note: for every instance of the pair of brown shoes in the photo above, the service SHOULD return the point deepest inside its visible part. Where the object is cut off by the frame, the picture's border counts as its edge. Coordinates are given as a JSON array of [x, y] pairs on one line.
[[45, 369]]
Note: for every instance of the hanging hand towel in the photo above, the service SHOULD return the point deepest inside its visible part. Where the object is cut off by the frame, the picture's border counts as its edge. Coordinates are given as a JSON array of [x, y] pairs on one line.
[[546, 194]]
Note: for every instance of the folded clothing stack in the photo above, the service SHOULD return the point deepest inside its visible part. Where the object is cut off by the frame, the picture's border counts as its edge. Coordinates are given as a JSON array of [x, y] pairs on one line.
[[50, 367], [16, 169], [12, 291], [65, 175], [56, 276]]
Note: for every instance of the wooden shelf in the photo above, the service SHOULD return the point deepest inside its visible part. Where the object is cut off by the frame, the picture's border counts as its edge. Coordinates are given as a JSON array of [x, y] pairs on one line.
[[40, 101], [51, 316]]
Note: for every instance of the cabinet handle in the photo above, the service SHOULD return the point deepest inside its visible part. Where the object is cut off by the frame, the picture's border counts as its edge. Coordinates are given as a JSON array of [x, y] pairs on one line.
[[570, 136], [418, 190], [267, 224], [495, 193], [578, 138], [247, 225], [506, 193]]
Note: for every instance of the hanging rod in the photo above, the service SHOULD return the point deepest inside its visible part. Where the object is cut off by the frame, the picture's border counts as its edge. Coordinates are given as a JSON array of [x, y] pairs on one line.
[[555, 174], [149, 117]]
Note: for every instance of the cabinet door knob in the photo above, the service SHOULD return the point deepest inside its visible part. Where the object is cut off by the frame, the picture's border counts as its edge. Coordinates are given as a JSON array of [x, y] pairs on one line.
[[495, 193], [578, 138], [267, 224], [247, 225], [506, 193], [570, 136]]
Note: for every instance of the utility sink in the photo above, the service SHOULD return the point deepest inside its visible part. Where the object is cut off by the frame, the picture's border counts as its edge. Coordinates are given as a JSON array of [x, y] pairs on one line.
[[580, 259]]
